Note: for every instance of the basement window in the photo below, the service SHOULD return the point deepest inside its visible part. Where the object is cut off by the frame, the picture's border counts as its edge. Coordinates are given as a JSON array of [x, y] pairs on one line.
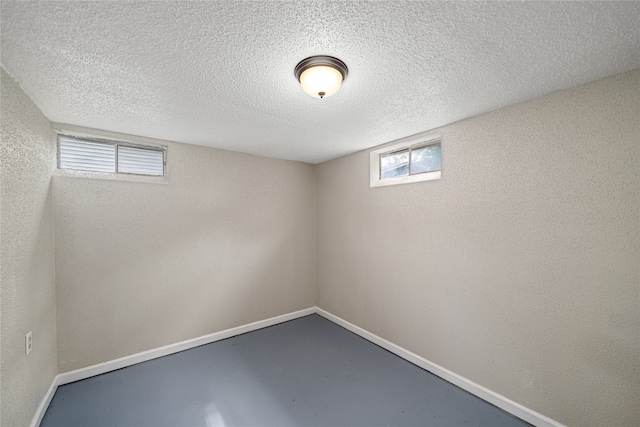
[[413, 159], [110, 156]]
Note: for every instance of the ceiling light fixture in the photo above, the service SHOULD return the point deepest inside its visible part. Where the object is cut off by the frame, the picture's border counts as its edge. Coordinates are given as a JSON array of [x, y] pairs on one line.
[[321, 76]]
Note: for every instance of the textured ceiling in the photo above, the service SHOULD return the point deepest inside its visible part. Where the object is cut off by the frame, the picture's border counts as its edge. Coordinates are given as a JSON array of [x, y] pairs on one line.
[[220, 74]]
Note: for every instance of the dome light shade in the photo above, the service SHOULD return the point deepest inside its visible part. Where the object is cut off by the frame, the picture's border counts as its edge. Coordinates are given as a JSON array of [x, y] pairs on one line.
[[321, 76], [321, 81]]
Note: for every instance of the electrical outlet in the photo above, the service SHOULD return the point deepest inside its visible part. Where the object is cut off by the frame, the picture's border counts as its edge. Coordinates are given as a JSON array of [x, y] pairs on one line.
[[28, 343]]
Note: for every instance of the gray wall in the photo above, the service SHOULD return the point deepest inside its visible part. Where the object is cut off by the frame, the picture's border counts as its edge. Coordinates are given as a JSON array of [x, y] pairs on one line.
[[27, 293], [519, 269], [228, 241]]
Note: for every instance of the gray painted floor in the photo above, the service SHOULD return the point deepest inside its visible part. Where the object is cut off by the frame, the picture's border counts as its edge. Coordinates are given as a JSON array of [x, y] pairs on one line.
[[306, 372]]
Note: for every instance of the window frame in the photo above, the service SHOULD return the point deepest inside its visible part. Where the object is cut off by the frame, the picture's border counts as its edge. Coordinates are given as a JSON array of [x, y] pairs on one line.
[[116, 143], [409, 143]]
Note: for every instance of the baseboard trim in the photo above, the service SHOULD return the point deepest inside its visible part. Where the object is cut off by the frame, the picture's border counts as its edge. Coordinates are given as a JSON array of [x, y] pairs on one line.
[[123, 362], [42, 408], [483, 393]]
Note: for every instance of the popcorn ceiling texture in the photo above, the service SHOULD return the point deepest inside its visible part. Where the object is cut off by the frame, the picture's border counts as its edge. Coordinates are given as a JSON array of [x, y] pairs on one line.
[[520, 268], [27, 292], [221, 73], [228, 240]]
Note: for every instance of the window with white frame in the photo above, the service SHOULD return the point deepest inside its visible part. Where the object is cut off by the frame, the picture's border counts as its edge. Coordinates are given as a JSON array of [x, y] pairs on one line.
[[110, 156], [414, 159]]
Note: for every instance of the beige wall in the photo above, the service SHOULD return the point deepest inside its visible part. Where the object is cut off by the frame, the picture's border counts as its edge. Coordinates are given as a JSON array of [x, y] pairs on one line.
[[520, 268], [228, 241], [27, 294]]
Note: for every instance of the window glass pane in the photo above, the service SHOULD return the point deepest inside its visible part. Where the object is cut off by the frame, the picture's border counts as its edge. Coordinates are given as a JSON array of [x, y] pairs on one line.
[[140, 160], [394, 164], [426, 159], [88, 156]]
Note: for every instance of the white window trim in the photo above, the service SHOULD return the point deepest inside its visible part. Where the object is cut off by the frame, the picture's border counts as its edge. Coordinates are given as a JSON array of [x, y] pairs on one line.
[[80, 132], [116, 144], [414, 141]]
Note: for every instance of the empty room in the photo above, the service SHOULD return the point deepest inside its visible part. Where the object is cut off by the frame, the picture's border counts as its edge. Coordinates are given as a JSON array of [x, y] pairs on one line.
[[322, 213]]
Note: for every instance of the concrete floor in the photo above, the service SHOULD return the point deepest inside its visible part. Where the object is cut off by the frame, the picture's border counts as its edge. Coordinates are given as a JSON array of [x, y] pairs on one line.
[[306, 372]]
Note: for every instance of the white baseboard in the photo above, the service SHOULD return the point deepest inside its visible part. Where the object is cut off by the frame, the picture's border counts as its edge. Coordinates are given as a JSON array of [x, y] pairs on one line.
[[483, 393], [123, 362], [42, 408]]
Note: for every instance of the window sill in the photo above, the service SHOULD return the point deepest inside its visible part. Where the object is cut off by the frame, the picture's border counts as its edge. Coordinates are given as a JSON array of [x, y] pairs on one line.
[[111, 176], [427, 176]]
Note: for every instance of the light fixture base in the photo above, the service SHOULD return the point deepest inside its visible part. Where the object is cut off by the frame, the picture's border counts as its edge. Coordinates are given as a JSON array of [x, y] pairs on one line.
[[318, 60]]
